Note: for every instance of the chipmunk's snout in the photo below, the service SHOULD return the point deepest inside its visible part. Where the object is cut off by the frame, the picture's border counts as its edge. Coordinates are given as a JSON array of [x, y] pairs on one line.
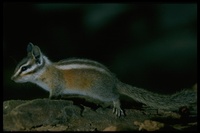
[[17, 79], [13, 78]]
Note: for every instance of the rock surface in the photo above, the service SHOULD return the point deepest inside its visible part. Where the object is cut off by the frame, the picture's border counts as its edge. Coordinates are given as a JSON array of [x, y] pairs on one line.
[[65, 115]]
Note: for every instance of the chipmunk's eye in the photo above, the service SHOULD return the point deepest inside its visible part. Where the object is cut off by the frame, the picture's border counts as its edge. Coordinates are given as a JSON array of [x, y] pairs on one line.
[[24, 68]]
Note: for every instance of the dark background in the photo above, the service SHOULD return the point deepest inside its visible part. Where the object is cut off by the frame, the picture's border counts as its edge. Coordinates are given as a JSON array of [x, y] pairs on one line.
[[153, 46]]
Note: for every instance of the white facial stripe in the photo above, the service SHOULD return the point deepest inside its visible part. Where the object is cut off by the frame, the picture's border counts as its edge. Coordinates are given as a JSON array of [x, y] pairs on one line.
[[19, 70], [81, 66], [30, 69]]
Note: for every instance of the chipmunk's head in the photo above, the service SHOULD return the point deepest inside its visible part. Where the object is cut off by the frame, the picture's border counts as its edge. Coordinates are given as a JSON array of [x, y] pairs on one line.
[[26, 69]]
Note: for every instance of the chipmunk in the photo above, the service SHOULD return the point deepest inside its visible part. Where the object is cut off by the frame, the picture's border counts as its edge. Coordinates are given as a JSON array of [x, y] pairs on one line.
[[90, 78]]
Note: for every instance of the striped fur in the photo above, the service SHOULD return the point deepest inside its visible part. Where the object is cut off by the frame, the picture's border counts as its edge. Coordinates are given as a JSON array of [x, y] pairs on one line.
[[82, 64]]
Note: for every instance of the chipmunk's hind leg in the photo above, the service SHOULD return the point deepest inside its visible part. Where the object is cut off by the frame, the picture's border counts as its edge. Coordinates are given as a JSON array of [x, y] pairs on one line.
[[117, 108]]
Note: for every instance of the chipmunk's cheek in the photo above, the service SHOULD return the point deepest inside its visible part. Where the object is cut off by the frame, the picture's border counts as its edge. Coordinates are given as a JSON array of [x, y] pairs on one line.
[[19, 81]]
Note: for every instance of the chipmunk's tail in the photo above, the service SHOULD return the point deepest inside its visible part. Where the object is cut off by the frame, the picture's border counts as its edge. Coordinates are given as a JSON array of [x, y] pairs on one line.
[[186, 97]]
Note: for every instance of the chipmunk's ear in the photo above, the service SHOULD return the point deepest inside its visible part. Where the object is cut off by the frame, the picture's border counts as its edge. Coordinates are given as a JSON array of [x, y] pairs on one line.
[[35, 52], [29, 47]]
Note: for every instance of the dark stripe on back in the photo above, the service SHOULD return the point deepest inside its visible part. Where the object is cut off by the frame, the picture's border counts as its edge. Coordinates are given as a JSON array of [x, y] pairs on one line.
[[81, 62]]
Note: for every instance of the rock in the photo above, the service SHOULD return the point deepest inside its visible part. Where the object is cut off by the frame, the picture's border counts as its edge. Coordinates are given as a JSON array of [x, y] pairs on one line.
[[63, 115]]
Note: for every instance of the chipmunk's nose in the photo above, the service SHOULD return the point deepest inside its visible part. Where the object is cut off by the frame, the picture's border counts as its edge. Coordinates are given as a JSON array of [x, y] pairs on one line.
[[13, 77]]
